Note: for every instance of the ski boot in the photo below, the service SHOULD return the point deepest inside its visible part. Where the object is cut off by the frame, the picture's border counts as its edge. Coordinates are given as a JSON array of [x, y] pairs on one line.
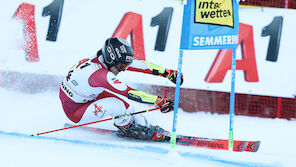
[[154, 133]]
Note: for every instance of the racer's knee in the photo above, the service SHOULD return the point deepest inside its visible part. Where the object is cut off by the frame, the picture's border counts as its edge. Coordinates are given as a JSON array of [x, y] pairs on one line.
[[101, 108]]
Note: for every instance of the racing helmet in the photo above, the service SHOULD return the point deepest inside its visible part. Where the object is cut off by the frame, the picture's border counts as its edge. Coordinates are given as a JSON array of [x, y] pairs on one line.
[[117, 50]]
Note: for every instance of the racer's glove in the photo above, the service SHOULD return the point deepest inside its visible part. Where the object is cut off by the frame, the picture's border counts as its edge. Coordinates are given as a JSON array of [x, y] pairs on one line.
[[164, 104], [172, 75], [161, 71]]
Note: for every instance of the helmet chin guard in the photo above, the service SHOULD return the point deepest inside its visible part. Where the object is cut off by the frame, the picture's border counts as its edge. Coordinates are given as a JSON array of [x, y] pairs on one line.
[[117, 50]]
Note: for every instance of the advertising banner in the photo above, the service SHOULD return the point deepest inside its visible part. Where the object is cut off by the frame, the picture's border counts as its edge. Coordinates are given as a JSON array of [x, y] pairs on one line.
[[60, 33], [210, 24]]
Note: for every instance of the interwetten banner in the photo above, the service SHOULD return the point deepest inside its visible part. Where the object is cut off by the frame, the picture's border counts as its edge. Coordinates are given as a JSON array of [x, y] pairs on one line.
[[210, 24]]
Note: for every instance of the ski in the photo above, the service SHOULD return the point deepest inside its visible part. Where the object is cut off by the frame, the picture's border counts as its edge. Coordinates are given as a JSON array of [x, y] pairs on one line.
[[211, 143], [222, 144]]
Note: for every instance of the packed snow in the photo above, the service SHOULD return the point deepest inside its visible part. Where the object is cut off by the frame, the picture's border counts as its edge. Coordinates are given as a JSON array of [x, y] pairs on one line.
[[25, 114]]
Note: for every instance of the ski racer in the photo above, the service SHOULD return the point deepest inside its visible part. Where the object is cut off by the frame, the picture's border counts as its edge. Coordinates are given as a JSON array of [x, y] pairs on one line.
[[88, 92]]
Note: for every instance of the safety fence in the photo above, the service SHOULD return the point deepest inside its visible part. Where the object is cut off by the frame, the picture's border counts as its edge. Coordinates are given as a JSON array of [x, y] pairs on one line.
[[192, 100]]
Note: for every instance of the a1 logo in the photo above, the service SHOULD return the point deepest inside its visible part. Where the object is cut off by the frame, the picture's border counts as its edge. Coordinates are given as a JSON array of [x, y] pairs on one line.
[[115, 83]]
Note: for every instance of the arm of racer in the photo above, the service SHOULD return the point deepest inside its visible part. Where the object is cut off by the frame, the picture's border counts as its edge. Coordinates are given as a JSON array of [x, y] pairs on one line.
[[146, 67], [150, 68], [107, 80], [165, 105]]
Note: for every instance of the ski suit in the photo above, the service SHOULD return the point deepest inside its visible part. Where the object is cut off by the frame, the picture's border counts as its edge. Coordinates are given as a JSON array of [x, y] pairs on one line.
[[88, 92]]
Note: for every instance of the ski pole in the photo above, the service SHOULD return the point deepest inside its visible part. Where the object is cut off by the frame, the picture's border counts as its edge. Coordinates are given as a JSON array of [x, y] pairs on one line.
[[102, 120]]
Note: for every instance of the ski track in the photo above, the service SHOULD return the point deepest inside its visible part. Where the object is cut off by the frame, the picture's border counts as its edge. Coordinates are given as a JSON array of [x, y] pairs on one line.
[[144, 148], [23, 114]]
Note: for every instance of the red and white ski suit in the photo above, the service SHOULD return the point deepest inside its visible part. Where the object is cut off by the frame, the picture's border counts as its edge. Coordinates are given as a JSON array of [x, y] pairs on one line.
[[85, 91]]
